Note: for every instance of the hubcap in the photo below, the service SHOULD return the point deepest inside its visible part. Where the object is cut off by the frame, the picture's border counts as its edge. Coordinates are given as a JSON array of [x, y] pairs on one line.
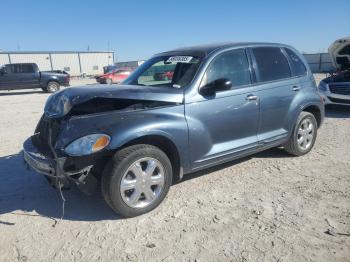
[[52, 87], [142, 183], [305, 134]]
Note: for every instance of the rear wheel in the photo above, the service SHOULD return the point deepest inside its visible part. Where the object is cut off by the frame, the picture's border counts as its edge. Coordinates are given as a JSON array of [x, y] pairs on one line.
[[108, 81], [136, 180], [304, 135], [52, 87]]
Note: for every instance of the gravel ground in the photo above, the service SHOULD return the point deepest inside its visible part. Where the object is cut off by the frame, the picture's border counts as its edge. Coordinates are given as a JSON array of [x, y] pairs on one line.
[[267, 207]]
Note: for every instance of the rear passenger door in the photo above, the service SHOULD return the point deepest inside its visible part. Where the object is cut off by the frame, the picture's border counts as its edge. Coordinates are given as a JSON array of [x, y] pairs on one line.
[[276, 91], [28, 76]]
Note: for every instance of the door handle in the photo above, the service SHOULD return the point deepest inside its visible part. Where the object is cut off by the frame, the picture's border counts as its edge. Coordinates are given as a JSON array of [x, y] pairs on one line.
[[251, 97], [296, 88]]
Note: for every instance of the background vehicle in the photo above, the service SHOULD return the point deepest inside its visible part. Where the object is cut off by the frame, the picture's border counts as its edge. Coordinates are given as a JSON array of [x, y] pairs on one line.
[[109, 68], [116, 76], [336, 88], [28, 76], [223, 102], [163, 76]]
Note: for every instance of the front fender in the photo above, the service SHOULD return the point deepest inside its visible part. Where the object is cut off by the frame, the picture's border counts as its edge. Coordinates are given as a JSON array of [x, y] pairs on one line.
[[168, 122]]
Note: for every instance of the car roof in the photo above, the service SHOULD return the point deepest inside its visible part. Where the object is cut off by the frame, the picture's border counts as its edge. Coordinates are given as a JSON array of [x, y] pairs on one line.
[[204, 50]]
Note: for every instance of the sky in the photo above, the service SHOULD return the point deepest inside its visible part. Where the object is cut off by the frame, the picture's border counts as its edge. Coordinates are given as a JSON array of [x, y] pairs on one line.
[[135, 30]]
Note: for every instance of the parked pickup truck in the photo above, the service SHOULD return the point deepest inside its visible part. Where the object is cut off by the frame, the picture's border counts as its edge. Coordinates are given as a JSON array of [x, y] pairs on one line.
[[28, 76]]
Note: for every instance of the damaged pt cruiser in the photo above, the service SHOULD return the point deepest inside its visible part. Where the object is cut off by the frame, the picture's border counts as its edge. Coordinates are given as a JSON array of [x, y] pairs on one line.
[[223, 102]]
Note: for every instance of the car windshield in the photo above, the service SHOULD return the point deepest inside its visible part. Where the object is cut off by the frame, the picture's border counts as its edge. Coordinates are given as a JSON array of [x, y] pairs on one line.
[[165, 71]]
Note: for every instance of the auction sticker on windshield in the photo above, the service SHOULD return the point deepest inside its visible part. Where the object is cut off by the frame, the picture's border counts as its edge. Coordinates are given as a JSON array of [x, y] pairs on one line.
[[179, 59]]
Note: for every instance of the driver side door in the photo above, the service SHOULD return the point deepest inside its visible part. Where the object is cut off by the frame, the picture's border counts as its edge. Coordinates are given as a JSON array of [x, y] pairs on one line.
[[224, 125], [8, 79]]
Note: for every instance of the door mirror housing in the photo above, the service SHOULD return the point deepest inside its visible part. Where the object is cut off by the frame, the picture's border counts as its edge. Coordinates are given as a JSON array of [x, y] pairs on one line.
[[221, 84]]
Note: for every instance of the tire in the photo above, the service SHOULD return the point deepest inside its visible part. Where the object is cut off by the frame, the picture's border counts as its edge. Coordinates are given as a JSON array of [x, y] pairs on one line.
[[119, 177], [109, 81], [301, 132], [52, 87]]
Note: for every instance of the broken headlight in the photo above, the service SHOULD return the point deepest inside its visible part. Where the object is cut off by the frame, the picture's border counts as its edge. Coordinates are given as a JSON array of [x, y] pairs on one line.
[[88, 144]]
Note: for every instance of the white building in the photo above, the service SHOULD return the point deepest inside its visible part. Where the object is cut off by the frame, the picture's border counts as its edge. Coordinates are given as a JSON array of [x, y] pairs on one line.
[[73, 62]]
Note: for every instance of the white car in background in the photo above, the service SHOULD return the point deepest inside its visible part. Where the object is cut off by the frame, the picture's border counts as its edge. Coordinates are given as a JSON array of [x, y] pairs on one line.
[[336, 88]]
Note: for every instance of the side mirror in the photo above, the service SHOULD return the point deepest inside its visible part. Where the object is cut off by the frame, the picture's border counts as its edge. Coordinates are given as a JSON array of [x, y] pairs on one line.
[[221, 84]]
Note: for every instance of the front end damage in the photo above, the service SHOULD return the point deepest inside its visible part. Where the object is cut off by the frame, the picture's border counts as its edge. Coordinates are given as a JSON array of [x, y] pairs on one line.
[[77, 112], [60, 170]]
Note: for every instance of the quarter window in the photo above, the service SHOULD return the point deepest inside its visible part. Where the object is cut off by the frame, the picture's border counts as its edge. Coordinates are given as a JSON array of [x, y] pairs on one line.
[[272, 64], [299, 68], [232, 65]]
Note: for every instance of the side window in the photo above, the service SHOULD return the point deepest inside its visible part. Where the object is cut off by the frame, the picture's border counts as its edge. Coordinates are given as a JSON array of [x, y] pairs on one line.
[[232, 65], [8, 69], [272, 64], [299, 68], [17, 68], [27, 68]]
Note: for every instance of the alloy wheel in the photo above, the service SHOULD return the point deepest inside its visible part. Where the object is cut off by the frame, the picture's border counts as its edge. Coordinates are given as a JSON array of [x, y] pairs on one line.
[[142, 183], [305, 134]]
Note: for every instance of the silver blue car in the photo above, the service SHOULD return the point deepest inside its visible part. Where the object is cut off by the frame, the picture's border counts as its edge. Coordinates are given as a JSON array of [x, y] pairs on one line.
[[222, 102]]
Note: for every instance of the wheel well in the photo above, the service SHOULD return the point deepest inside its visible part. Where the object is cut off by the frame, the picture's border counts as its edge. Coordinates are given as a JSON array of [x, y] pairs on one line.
[[316, 112], [52, 80], [164, 144]]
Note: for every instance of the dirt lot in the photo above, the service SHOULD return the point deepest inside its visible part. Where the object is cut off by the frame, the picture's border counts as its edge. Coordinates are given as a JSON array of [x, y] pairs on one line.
[[268, 207]]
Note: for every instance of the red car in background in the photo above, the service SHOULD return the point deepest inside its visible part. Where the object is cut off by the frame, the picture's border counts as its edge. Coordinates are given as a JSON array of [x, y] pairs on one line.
[[116, 76], [164, 76]]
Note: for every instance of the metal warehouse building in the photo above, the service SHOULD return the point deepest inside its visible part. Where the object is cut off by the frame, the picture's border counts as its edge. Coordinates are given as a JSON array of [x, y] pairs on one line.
[[73, 62]]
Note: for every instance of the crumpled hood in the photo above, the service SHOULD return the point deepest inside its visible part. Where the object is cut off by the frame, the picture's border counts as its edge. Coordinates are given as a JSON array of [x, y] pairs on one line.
[[61, 103]]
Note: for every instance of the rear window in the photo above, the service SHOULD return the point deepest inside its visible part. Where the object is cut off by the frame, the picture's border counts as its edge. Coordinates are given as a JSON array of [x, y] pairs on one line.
[[272, 64], [299, 68]]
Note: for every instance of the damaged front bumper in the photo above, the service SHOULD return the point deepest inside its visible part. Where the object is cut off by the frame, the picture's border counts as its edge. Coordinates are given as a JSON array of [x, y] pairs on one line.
[[53, 169]]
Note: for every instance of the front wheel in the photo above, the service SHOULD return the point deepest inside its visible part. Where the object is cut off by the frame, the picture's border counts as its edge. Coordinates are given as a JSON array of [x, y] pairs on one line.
[[109, 81], [304, 135], [136, 180]]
